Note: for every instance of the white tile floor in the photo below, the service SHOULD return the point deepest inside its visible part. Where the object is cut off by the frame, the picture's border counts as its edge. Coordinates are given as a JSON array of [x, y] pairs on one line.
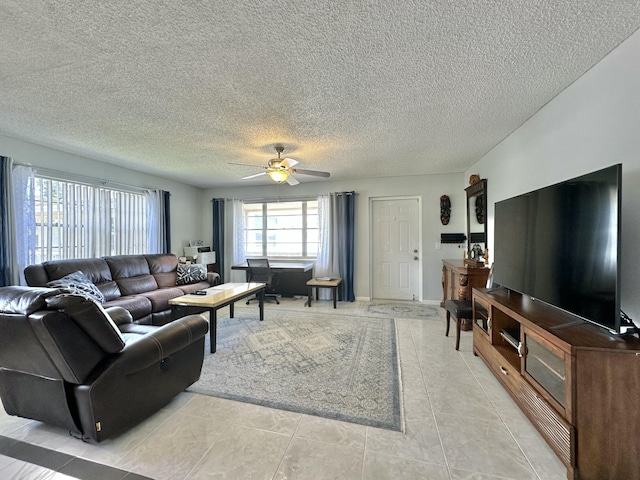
[[460, 424]]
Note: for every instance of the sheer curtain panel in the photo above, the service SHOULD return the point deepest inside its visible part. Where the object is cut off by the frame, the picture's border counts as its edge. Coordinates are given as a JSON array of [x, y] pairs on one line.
[[58, 218], [22, 220], [237, 244]]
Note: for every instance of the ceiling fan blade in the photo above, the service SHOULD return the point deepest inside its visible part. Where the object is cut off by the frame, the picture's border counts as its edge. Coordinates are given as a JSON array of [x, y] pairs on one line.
[[315, 173], [246, 165], [291, 180], [254, 175], [289, 162]]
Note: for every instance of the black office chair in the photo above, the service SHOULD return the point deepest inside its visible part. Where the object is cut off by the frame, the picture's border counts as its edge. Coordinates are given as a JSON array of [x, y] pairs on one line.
[[260, 272]]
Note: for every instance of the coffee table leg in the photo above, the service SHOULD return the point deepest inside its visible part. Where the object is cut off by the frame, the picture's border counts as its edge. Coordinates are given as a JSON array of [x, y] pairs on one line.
[[261, 302], [334, 296], [213, 327], [231, 312]]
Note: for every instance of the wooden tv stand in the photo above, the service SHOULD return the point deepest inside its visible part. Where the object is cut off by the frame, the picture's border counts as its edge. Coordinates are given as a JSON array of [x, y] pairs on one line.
[[578, 384]]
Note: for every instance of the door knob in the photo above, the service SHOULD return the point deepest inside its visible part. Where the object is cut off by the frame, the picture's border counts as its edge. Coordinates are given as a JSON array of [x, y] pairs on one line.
[[415, 258], [415, 250]]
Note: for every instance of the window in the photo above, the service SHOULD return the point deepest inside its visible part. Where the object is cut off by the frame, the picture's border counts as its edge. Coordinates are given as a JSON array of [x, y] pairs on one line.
[[77, 220], [281, 229]]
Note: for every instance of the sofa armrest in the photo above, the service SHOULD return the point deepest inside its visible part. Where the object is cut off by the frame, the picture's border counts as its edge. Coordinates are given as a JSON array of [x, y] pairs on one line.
[[213, 278], [159, 344]]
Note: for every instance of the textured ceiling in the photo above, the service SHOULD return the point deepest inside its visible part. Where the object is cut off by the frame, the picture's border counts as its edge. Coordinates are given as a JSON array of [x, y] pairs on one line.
[[180, 88]]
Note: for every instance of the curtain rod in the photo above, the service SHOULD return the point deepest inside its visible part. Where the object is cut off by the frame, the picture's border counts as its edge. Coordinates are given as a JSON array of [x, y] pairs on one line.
[[285, 199], [82, 178]]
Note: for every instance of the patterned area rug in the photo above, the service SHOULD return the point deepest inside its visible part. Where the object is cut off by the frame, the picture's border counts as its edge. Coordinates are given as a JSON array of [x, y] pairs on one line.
[[402, 309], [337, 367]]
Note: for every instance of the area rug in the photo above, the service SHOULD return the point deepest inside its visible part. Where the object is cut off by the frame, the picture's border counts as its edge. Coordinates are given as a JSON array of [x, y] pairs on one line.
[[338, 367], [402, 310]]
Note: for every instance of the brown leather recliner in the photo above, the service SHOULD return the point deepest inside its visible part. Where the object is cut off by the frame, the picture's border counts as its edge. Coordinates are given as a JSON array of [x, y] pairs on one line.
[[66, 361]]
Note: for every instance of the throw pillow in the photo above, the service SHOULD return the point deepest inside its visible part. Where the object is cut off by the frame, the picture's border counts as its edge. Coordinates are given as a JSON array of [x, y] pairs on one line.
[[80, 284], [194, 273]]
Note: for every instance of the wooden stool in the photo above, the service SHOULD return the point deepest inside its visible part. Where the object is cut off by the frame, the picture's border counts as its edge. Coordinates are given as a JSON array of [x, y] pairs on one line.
[[317, 284], [460, 310]]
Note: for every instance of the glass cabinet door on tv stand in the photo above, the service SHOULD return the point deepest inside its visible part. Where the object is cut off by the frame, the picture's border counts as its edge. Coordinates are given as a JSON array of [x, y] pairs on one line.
[[546, 367]]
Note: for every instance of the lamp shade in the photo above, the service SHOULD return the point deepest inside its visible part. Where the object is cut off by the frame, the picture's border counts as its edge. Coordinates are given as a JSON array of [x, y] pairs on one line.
[[279, 176]]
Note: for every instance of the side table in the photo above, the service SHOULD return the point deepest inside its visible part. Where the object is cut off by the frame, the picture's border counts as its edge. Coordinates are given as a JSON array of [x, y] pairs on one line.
[[317, 284]]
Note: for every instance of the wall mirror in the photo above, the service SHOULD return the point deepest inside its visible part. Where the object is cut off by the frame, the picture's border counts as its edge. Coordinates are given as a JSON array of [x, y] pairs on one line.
[[477, 254]]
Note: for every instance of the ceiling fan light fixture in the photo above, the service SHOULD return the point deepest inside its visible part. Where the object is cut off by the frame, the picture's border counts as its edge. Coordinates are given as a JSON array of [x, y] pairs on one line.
[[280, 169], [279, 176]]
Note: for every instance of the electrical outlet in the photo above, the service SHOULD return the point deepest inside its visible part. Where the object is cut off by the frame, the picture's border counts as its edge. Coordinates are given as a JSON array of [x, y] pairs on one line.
[[438, 246]]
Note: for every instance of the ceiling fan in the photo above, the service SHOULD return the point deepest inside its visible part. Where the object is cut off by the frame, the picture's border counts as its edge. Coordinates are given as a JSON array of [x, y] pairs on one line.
[[281, 169]]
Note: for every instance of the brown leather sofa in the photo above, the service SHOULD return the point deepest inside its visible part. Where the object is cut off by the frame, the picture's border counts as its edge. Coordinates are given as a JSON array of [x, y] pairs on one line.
[[68, 362], [142, 284]]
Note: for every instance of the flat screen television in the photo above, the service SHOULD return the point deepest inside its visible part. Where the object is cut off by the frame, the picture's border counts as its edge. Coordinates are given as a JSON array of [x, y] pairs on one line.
[[561, 245]]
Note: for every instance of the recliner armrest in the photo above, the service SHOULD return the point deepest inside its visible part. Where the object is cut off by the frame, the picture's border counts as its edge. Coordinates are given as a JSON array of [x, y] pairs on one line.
[[119, 315], [161, 343]]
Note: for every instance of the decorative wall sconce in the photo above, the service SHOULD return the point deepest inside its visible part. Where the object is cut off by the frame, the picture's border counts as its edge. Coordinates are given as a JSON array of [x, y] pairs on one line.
[[445, 209]]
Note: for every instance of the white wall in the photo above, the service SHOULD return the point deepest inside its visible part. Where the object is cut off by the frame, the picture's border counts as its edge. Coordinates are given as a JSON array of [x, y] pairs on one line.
[[594, 123], [428, 187], [185, 199]]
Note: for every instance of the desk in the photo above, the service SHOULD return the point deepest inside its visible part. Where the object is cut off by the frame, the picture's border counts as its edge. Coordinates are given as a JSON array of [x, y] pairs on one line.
[[216, 298], [292, 276]]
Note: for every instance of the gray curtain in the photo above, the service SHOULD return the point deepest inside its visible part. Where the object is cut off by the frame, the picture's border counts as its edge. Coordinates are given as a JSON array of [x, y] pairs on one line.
[[343, 232], [217, 243], [166, 211], [5, 227]]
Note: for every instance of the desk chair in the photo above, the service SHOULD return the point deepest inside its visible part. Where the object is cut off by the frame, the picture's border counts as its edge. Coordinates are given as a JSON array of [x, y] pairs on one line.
[[260, 271], [462, 310]]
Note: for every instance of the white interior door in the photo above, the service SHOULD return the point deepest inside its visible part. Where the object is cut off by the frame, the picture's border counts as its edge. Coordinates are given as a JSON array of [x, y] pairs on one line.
[[395, 248]]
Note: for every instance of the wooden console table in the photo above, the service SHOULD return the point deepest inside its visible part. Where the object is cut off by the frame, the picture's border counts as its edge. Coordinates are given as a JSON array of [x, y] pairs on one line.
[[578, 384]]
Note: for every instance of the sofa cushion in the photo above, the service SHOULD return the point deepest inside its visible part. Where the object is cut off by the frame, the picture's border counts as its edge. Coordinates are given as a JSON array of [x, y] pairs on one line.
[[110, 290], [192, 287], [138, 306], [133, 331], [91, 318], [160, 298], [132, 274], [96, 269], [136, 285], [78, 283], [163, 269], [193, 273], [125, 266]]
